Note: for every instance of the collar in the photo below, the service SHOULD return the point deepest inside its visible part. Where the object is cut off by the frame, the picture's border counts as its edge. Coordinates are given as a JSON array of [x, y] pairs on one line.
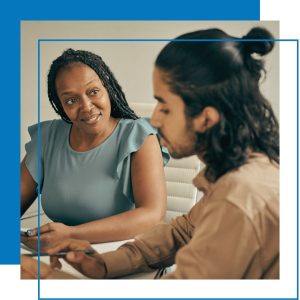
[[201, 183]]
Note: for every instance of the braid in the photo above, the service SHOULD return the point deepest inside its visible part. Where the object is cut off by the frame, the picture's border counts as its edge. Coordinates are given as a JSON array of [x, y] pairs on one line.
[[119, 104], [52, 95]]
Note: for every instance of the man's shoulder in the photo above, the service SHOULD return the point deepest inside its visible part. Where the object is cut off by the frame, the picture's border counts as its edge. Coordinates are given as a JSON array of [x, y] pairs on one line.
[[251, 188], [256, 172]]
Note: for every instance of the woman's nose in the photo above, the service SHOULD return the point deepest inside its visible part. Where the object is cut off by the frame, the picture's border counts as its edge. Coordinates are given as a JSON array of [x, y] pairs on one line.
[[86, 104]]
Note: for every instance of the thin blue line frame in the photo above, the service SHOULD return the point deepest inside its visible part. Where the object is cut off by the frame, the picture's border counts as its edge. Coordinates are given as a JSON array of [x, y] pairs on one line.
[[171, 40]]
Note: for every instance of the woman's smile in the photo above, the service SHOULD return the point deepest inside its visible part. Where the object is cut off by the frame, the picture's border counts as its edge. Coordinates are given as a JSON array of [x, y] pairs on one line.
[[92, 119]]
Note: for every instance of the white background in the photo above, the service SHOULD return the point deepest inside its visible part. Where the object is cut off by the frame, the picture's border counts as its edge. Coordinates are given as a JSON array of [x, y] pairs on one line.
[[287, 13]]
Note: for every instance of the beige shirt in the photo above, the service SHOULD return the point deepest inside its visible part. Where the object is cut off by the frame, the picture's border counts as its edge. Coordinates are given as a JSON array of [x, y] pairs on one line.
[[232, 233]]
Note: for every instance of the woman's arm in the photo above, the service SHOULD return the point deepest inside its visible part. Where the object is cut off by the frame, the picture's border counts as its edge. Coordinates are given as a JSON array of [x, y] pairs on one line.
[[149, 189], [28, 188]]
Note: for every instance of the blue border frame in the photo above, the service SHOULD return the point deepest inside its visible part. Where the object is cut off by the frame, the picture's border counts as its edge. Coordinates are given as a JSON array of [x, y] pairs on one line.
[[297, 176], [137, 10], [166, 40], [13, 12]]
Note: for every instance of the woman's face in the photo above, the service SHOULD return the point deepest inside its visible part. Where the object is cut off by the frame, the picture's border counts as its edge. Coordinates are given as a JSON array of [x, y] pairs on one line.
[[84, 98]]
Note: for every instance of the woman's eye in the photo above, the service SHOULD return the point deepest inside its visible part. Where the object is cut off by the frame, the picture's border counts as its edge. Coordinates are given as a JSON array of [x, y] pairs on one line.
[[70, 101], [94, 92]]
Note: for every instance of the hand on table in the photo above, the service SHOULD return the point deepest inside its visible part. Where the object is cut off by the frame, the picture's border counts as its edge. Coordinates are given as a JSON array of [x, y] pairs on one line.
[[50, 234], [91, 265], [29, 268]]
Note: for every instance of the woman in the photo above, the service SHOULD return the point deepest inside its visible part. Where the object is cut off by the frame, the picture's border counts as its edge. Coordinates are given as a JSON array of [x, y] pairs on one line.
[[98, 165], [209, 104]]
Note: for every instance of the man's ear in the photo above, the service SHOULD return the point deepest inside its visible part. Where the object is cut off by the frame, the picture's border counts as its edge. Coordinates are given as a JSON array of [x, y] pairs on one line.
[[208, 118]]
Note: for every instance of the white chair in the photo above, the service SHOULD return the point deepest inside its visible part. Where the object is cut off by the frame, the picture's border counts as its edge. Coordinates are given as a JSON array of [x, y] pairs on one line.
[[182, 194]]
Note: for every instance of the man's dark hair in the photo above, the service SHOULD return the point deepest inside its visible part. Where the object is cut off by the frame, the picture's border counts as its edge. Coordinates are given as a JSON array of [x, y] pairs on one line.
[[211, 68], [119, 105]]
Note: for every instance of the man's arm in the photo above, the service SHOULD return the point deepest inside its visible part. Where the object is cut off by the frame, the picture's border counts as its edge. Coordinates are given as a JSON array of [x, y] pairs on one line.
[[154, 249], [224, 246]]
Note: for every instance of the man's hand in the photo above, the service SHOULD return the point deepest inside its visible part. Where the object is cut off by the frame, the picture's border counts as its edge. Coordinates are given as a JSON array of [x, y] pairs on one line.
[[29, 269], [91, 265]]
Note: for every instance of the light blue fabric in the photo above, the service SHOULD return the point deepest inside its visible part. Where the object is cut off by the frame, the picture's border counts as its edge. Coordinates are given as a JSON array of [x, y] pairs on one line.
[[79, 187]]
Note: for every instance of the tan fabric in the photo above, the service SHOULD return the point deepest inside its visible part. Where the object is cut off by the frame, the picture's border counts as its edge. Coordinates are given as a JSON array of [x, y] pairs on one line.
[[232, 233]]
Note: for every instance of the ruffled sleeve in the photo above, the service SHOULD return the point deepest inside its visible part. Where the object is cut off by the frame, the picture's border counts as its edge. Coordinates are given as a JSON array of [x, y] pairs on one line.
[[31, 148], [132, 139]]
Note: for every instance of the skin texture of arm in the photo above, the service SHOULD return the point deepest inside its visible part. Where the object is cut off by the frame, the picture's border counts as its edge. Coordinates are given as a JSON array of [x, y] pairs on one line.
[[28, 188], [150, 196]]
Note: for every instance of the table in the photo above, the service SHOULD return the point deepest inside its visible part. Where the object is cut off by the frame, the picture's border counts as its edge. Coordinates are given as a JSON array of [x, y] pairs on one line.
[[101, 248]]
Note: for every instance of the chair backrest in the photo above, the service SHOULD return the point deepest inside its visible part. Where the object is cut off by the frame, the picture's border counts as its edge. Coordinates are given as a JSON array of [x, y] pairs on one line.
[[182, 194]]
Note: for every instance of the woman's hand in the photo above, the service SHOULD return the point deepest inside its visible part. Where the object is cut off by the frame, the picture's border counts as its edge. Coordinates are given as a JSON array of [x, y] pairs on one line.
[[91, 265], [50, 235]]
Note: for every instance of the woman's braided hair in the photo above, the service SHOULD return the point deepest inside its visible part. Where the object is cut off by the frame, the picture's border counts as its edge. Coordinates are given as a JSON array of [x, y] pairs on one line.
[[119, 104]]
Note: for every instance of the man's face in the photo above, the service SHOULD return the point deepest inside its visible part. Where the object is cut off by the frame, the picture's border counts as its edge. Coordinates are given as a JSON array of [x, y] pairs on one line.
[[171, 121]]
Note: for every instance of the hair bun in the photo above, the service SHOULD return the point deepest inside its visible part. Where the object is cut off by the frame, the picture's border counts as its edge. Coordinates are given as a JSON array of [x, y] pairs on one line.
[[260, 47]]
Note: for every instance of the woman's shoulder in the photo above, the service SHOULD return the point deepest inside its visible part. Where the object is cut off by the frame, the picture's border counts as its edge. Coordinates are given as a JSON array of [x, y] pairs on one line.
[[132, 134], [140, 125], [49, 130], [48, 125]]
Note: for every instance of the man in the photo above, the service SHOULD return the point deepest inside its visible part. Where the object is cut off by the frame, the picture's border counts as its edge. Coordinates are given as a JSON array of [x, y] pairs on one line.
[[209, 104]]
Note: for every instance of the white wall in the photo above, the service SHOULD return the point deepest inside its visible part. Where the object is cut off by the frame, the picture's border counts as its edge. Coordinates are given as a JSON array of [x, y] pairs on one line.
[[131, 62]]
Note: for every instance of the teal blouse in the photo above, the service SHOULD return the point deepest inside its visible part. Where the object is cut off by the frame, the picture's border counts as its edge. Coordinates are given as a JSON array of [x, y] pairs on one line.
[[79, 187]]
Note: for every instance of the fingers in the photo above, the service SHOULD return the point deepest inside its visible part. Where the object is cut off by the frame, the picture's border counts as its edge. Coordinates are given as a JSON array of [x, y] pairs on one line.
[[29, 267], [86, 264], [33, 235], [43, 229], [24, 239], [29, 239], [30, 243], [91, 265], [69, 245], [26, 275], [75, 257], [55, 263], [46, 239], [32, 232], [49, 235], [46, 228]]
